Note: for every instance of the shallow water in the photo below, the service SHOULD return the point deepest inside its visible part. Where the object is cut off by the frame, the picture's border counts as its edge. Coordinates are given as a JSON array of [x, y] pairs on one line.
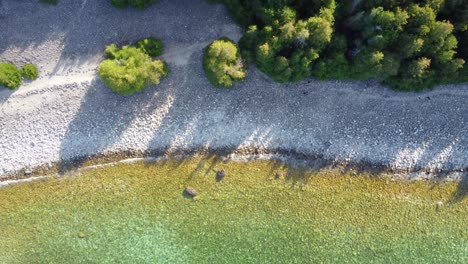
[[136, 213]]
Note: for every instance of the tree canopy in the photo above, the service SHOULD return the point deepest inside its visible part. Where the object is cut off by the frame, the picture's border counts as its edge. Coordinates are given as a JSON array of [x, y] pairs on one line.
[[407, 44], [129, 69], [222, 63]]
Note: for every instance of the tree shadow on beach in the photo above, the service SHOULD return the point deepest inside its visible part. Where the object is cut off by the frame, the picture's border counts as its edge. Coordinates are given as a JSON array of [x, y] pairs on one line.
[[102, 119], [5, 94]]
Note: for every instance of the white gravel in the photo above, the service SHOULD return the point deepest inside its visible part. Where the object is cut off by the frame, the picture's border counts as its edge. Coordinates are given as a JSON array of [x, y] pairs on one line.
[[69, 113]]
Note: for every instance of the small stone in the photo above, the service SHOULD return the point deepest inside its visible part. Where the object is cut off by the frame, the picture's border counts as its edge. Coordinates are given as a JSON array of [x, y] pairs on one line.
[[28, 172], [220, 175], [190, 191], [279, 175]]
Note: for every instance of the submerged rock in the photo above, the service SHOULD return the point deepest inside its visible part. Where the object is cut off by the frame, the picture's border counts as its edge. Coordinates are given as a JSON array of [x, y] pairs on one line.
[[220, 175], [190, 191], [279, 175]]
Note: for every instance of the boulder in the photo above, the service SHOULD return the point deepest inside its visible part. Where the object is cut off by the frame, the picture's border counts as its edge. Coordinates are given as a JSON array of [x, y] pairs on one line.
[[279, 175], [220, 175], [190, 191]]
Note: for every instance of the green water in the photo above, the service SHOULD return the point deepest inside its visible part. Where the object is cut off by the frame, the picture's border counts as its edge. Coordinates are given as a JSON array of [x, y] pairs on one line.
[[138, 214]]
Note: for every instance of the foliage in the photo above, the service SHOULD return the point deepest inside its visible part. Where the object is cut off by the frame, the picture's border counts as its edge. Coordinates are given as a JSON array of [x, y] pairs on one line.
[[10, 76], [151, 46], [128, 69], [141, 4], [222, 63], [409, 45], [286, 46], [30, 71]]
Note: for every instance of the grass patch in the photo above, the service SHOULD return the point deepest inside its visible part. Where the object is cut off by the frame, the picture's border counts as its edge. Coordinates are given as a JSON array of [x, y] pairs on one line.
[[137, 213]]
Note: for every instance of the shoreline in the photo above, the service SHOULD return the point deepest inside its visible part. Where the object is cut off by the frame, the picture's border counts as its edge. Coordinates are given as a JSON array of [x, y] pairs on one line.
[[296, 160]]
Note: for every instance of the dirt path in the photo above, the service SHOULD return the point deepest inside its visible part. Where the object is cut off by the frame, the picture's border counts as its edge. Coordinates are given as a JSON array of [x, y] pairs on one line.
[[68, 112]]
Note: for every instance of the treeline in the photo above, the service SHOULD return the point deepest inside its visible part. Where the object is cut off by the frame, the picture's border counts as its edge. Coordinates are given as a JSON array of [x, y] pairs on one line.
[[407, 44]]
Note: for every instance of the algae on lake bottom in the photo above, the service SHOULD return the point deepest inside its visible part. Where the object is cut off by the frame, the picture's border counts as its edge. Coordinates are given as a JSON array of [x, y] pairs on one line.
[[137, 213]]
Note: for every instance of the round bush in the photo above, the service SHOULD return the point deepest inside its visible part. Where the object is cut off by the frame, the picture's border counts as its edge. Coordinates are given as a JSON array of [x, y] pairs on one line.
[[30, 71], [10, 76], [129, 69], [222, 63], [151, 46]]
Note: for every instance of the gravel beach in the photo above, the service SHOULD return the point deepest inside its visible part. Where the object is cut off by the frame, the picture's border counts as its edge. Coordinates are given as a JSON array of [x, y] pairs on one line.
[[69, 113]]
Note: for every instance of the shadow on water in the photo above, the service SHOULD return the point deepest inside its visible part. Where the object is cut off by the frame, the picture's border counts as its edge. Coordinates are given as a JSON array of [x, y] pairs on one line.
[[462, 190]]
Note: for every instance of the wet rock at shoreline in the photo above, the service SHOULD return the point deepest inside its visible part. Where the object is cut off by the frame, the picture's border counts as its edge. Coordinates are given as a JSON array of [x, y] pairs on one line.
[[220, 175], [190, 191], [279, 175]]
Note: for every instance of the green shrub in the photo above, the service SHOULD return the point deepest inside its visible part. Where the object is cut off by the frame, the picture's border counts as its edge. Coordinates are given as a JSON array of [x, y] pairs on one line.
[[10, 76], [151, 46], [30, 71], [222, 63], [128, 69], [141, 4]]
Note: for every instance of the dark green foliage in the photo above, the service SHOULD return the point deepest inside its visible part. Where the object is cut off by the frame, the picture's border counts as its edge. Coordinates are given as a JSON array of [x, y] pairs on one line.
[[287, 44], [222, 63], [151, 46], [50, 2], [407, 44], [415, 49], [141, 4], [30, 71], [334, 65], [129, 70], [10, 76]]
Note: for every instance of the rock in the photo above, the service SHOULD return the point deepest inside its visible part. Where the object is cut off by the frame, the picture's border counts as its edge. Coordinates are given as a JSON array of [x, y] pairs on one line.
[[220, 175], [279, 175], [28, 172], [190, 191]]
